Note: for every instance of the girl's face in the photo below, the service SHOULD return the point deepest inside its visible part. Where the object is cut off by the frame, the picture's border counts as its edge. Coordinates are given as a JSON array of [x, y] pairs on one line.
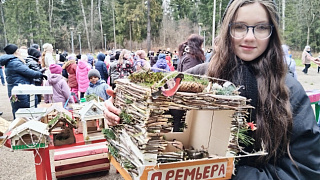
[[94, 79], [249, 48]]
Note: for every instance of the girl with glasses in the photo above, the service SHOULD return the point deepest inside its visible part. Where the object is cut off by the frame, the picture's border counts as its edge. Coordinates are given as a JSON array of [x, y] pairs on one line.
[[286, 127], [249, 54]]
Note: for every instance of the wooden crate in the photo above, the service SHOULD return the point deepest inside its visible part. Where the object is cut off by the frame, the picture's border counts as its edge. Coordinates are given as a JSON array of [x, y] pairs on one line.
[[77, 160]]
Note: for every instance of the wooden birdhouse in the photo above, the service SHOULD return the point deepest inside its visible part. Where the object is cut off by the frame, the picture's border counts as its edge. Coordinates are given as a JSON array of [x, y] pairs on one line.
[[144, 142], [92, 120], [4, 126], [52, 112], [61, 127], [30, 135]]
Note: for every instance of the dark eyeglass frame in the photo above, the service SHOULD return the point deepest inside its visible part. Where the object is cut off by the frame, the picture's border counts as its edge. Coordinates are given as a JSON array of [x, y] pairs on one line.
[[253, 27]]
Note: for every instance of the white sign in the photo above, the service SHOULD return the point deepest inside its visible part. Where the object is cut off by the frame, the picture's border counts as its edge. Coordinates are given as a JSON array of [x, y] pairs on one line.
[[197, 172]]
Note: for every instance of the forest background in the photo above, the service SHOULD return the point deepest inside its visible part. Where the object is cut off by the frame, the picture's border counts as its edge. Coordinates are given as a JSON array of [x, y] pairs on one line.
[[96, 25]]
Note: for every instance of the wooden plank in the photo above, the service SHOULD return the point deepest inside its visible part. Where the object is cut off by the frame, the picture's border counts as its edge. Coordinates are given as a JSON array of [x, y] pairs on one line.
[[79, 151], [83, 170], [82, 164], [80, 159]]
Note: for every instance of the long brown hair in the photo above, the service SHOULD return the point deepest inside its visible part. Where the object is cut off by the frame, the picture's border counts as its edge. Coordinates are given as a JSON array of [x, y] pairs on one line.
[[193, 44], [274, 116]]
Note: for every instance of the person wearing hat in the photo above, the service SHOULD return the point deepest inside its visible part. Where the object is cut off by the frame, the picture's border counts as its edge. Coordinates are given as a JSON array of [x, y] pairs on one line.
[[32, 61], [97, 86], [61, 91], [17, 73], [102, 67]]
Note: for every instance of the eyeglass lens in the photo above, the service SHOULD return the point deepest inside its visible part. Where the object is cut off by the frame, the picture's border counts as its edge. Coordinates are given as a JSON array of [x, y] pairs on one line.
[[260, 31]]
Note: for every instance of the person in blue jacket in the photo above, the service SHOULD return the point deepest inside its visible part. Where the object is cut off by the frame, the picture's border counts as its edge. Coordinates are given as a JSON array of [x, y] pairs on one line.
[[102, 67], [17, 72], [249, 54]]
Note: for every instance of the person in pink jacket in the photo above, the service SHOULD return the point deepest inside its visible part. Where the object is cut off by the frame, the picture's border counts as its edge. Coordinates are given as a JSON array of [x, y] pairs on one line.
[[83, 69], [71, 68], [61, 91]]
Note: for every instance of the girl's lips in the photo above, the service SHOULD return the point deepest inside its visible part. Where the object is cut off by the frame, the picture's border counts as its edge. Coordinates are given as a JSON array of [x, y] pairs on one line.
[[247, 47]]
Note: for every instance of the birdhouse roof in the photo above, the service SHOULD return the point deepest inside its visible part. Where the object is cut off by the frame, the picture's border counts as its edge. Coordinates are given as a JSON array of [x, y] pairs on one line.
[[92, 108], [57, 108], [36, 126], [60, 119]]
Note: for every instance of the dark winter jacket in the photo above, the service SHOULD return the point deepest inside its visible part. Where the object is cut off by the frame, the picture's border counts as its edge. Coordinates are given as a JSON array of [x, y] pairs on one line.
[[102, 67], [18, 73], [304, 142], [32, 63]]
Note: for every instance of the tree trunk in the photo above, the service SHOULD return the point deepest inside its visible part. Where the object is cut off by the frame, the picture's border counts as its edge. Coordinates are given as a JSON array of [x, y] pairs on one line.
[[100, 19], [38, 14], [130, 29], [283, 16], [91, 25], [50, 14], [85, 24], [4, 24], [149, 29], [213, 22], [114, 27], [220, 5]]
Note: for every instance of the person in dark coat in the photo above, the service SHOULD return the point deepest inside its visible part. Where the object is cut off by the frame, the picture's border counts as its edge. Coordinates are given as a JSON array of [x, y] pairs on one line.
[[102, 67], [17, 73], [32, 61]]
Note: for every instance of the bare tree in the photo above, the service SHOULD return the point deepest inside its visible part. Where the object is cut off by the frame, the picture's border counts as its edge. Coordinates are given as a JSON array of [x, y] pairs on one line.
[[100, 19], [91, 25], [149, 29], [213, 22], [50, 14], [85, 25], [4, 24], [283, 15], [114, 26]]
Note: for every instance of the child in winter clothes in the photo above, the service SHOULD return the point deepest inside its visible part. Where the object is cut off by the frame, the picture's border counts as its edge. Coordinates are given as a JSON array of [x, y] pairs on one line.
[[61, 91], [161, 64], [83, 69], [90, 60], [102, 67], [97, 86], [71, 68]]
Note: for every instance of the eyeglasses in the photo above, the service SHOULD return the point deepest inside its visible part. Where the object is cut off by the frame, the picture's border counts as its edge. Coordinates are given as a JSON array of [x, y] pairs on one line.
[[260, 31]]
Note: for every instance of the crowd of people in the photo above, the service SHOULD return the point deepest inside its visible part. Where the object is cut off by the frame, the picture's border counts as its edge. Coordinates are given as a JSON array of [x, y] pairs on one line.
[[74, 76]]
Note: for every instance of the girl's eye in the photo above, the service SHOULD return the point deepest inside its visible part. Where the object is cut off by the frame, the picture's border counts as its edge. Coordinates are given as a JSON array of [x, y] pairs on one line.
[[262, 27], [240, 27]]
